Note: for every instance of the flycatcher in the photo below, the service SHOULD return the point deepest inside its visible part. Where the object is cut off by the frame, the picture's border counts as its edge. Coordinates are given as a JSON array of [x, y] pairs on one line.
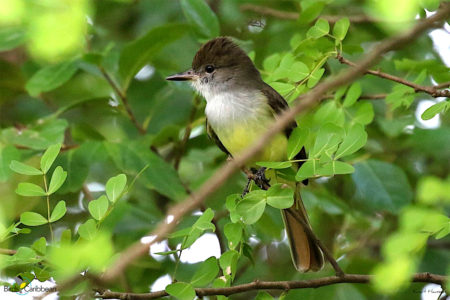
[[240, 107]]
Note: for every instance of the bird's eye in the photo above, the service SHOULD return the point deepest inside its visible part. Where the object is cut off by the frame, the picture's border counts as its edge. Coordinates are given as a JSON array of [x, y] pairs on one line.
[[209, 69]]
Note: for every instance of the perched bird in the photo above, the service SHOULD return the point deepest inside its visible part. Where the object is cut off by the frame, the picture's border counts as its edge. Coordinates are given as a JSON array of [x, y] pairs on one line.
[[240, 107]]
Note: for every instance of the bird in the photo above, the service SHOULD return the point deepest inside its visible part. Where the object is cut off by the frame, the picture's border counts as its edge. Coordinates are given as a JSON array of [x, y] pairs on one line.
[[240, 107]]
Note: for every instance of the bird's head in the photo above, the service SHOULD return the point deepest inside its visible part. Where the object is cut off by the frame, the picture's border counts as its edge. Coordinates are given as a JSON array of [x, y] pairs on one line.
[[220, 65]]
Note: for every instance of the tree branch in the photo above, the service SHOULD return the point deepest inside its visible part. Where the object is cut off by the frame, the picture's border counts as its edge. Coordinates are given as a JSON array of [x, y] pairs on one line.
[[431, 90], [270, 12], [194, 200], [124, 99], [273, 285]]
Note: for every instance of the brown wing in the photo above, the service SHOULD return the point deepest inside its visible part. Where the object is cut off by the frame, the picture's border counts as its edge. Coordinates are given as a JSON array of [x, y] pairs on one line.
[[213, 136], [278, 105]]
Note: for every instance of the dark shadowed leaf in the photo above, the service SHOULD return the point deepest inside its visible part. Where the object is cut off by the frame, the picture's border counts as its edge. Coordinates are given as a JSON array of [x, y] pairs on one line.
[[201, 18], [206, 273], [51, 77], [381, 186], [139, 52]]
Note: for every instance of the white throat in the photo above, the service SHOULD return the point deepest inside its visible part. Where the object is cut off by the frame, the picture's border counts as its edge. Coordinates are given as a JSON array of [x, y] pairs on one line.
[[226, 107]]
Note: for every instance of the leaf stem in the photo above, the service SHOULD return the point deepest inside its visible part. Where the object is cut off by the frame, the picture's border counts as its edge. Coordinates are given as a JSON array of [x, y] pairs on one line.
[[48, 207]]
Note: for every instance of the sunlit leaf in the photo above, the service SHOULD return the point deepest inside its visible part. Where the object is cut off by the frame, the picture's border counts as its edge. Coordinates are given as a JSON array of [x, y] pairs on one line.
[[49, 157], [59, 211], [32, 219], [58, 178], [181, 290], [24, 169], [29, 189], [115, 186], [280, 196], [97, 208]]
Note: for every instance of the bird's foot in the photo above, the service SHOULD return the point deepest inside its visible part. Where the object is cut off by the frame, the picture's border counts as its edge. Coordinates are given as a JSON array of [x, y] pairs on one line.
[[247, 187], [260, 178]]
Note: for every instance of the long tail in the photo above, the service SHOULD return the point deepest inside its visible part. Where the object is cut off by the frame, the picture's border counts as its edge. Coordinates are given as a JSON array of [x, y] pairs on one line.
[[306, 255]]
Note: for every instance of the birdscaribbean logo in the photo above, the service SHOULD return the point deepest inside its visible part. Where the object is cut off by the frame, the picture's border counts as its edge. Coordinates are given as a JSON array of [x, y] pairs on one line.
[[22, 285]]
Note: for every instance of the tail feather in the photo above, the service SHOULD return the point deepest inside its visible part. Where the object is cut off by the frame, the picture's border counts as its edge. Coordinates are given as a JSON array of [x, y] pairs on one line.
[[306, 255]]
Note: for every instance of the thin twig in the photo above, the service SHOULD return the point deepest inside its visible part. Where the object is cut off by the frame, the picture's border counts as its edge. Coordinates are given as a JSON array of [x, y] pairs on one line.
[[273, 285], [431, 90], [267, 11], [7, 251], [124, 99], [310, 233], [194, 200]]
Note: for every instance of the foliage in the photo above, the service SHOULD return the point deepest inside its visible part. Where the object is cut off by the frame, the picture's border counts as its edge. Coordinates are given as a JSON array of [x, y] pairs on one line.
[[95, 145]]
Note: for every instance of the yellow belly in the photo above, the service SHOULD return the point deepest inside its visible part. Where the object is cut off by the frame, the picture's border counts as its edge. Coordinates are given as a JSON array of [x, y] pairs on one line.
[[240, 137]]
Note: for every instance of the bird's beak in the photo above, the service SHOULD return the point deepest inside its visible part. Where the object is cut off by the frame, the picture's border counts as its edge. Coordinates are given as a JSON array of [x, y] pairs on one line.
[[188, 75]]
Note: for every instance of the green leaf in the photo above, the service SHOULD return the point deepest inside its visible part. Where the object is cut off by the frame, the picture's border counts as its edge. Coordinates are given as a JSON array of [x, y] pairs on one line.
[[24, 169], [329, 113], [49, 157], [437, 108], [181, 290], [355, 139], [262, 295], [11, 37], [130, 157], [201, 18], [291, 69], [7, 155], [40, 246], [310, 11], [30, 218], [88, 229], [206, 273], [381, 186], [51, 77], [271, 62], [280, 196], [66, 237], [58, 212], [233, 233], [340, 28], [98, 208], [274, 164], [353, 94], [363, 113], [29, 189], [340, 167], [319, 29], [58, 178], [297, 140], [327, 140], [252, 206], [139, 52], [307, 170], [115, 187], [228, 262], [282, 87], [315, 77]]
